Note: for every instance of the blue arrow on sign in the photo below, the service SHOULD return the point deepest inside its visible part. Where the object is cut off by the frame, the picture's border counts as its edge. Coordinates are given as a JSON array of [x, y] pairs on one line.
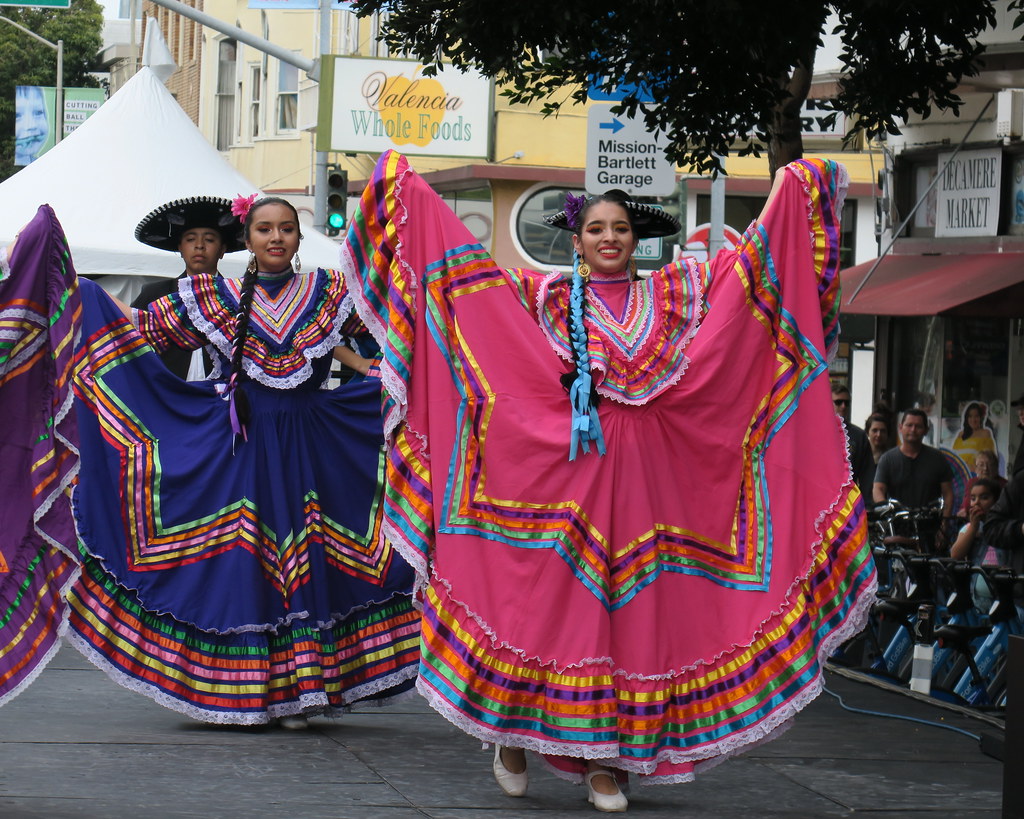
[[614, 126]]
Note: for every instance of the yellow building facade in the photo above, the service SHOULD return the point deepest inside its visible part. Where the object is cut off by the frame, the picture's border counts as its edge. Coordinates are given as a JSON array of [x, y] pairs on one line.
[[261, 114]]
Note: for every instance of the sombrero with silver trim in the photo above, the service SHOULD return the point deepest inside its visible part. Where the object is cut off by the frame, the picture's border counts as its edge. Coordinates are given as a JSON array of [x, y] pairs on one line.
[[162, 228], [648, 221]]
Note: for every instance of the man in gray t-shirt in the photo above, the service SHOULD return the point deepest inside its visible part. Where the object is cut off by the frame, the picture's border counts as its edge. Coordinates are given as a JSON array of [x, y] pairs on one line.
[[913, 473]]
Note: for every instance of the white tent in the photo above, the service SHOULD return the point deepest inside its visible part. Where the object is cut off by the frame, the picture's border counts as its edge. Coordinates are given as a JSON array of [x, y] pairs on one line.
[[138, 151]]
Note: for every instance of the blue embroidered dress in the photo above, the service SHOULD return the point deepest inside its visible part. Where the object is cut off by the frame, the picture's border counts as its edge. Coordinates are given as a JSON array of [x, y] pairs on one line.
[[236, 580]]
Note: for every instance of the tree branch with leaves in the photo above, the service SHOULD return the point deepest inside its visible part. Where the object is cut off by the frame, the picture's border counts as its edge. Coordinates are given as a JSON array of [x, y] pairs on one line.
[[729, 76]]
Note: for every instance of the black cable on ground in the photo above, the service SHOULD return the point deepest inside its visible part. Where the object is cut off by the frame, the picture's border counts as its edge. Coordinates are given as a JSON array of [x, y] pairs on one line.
[[900, 716], [964, 710]]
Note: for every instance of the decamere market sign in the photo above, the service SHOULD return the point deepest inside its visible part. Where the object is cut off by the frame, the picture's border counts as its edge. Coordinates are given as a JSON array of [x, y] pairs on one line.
[[373, 105]]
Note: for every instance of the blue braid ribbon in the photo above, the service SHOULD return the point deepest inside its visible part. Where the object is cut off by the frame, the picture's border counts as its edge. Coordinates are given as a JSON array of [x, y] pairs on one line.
[[586, 424]]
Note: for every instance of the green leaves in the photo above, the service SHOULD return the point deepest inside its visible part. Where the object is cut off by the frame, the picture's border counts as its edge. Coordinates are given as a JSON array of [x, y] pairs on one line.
[[722, 70]]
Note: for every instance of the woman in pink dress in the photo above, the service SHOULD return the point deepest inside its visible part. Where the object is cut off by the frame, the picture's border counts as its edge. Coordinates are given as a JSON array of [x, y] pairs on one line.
[[645, 576]]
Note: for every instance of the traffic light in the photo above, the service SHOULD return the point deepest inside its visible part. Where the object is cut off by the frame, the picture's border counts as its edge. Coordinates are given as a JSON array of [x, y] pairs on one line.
[[337, 199]]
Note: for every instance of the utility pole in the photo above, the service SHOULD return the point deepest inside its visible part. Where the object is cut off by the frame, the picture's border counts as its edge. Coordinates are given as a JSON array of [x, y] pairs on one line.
[[311, 67], [716, 233], [58, 114], [320, 159]]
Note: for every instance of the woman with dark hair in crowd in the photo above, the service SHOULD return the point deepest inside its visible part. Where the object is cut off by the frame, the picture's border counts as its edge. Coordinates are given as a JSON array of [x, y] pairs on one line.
[[232, 568], [643, 576]]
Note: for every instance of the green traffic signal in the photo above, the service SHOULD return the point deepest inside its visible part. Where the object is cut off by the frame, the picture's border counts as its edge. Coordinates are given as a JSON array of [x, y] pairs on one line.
[[336, 199]]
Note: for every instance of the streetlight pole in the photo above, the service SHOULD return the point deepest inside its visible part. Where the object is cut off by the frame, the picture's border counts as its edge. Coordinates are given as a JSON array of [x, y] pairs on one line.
[[59, 103], [320, 157]]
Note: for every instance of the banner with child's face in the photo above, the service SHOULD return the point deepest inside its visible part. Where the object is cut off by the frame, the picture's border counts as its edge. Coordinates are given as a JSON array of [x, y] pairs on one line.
[[35, 119]]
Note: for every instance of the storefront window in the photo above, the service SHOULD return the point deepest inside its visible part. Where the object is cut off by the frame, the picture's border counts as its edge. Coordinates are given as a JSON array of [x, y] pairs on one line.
[[545, 245], [974, 387], [916, 357], [954, 368]]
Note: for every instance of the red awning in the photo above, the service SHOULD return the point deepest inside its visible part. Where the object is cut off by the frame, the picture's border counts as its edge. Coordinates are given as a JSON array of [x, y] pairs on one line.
[[917, 285]]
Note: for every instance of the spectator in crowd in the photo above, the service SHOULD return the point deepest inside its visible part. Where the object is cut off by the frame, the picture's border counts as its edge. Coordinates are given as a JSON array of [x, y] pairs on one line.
[[913, 473], [1004, 523], [1018, 459], [202, 229], [986, 467], [861, 463], [878, 430], [973, 543]]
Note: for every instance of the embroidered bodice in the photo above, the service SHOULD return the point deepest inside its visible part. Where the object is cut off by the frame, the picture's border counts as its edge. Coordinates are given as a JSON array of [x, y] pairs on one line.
[[295, 320], [637, 330]]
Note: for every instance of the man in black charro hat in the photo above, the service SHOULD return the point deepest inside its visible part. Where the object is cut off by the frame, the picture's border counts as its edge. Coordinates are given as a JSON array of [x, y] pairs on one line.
[[202, 229]]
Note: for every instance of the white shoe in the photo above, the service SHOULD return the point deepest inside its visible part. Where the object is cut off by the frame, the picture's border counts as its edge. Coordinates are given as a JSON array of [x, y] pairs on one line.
[[606, 802], [295, 722], [513, 784]]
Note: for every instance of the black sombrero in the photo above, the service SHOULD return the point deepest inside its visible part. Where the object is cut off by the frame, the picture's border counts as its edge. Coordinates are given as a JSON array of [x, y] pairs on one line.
[[648, 221], [162, 228]]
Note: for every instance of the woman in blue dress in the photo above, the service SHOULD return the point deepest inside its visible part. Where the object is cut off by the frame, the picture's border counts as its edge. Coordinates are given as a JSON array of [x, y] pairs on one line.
[[232, 568]]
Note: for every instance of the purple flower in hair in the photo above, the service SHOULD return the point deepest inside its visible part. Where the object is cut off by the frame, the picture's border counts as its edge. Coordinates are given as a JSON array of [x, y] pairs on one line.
[[573, 206]]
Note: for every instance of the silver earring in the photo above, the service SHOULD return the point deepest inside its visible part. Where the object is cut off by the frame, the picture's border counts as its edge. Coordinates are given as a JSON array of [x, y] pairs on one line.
[[296, 264], [250, 268]]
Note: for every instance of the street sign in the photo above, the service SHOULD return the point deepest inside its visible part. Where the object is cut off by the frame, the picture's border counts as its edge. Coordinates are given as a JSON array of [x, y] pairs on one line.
[[369, 105], [696, 244], [648, 249], [46, 4], [622, 153], [616, 93]]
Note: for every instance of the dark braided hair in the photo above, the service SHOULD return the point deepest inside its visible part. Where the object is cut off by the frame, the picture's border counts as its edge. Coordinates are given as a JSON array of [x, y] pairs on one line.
[[574, 318], [238, 397], [586, 425]]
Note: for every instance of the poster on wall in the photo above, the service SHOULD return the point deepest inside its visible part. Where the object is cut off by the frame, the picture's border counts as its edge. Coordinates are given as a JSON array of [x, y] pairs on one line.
[[973, 433], [1017, 194], [35, 120], [370, 106], [924, 216]]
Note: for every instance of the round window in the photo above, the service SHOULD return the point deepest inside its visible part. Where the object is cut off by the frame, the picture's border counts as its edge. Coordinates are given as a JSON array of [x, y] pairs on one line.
[[547, 246]]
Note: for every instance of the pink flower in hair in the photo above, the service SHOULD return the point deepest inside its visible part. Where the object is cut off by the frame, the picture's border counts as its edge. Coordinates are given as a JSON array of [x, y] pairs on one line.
[[240, 206]]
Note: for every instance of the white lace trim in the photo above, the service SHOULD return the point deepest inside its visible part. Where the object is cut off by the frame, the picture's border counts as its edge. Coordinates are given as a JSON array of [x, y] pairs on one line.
[[674, 378], [308, 704], [252, 368], [59, 491], [702, 758], [412, 556], [842, 178], [391, 381], [50, 653]]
